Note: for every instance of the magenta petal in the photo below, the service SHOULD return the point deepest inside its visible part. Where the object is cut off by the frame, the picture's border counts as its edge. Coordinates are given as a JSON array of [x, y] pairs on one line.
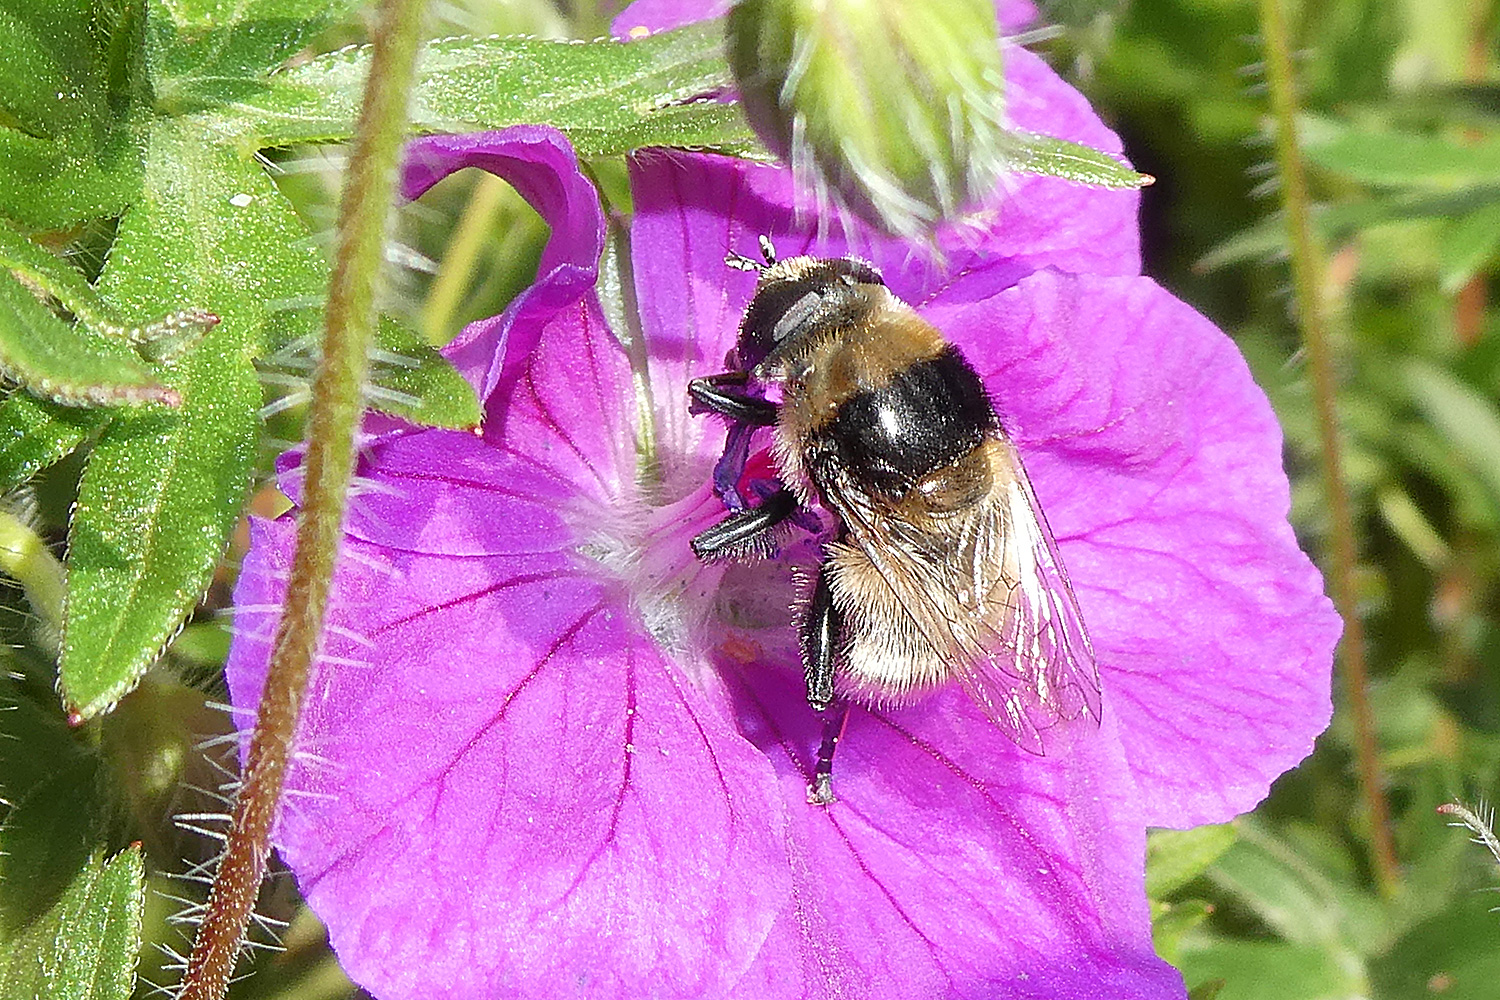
[[542, 166], [505, 790], [1158, 462], [651, 16], [954, 864]]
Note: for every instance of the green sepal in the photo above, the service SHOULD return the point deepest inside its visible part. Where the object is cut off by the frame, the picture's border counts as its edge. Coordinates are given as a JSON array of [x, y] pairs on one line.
[[1029, 153]]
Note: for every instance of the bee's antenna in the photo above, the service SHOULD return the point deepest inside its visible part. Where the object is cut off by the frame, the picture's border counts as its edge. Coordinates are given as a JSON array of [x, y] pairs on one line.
[[740, 262]]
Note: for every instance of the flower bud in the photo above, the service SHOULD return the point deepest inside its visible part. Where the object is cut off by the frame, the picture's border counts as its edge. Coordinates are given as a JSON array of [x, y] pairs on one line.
[[892, 106]]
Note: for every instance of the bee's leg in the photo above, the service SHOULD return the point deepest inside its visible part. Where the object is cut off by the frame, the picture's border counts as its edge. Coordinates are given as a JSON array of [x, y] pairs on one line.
[[716, 394], [820, 792], [745, 531], [820, 642]]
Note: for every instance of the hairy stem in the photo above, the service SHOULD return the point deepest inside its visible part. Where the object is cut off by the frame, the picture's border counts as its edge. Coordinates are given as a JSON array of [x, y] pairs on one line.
[[337, 402], [1312, 316]]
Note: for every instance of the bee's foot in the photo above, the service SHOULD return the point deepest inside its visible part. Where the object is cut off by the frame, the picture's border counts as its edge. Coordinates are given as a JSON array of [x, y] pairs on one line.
[[820, 792]]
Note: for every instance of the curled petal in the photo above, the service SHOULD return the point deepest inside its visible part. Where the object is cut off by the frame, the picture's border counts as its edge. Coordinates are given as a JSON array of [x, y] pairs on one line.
[[542, 166]]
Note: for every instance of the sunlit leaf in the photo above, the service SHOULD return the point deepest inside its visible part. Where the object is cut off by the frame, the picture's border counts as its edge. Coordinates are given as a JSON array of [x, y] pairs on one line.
[[225, 45], [609, 97], [161, 492], [410, 379], [72, 109]]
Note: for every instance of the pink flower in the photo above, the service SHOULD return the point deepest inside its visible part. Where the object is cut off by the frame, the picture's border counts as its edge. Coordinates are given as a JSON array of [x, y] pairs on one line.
[[549, 754]]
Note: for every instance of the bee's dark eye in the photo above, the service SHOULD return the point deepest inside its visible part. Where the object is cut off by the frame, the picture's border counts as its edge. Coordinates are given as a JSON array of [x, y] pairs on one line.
[[795, 315]]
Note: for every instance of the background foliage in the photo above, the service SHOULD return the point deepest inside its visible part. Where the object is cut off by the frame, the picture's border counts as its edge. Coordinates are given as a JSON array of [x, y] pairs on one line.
[[1400, 119]]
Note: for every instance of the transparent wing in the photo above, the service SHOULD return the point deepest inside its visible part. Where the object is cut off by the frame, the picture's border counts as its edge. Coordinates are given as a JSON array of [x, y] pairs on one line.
[[987, 588]]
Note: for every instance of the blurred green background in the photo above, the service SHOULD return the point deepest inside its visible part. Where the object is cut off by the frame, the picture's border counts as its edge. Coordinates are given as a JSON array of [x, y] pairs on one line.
[[1400, 116]]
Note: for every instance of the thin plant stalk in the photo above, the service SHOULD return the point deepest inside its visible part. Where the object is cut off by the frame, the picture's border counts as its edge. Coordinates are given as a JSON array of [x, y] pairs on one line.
[[1312, 317], [337, 403]]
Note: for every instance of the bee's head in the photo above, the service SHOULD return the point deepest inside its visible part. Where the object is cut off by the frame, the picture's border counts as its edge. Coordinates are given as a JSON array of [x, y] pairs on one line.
[[796, 297]]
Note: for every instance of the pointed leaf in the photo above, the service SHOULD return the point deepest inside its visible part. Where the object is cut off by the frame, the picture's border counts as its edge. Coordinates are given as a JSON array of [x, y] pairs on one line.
[[69, 364], [1049, 157], [85, 947], [34, 433], [609, 97], [1403, 159], [162, 491]]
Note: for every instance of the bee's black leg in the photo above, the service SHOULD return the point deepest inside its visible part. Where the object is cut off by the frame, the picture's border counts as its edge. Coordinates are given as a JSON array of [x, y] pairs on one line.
[[820, 643], [744, 531], [715, 394], [820, 792]]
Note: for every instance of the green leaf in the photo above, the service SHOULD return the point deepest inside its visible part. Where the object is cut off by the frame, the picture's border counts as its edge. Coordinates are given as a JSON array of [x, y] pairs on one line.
[[85, 947], [72, 109], [608, 97], [1469, 245], [1467, 419], [53, 275], [411, 380], [220, 46], [1401, 159], [1261, 970], [1042, 154], [1452, 955], [1172, 923], [35, 433], [162, 491], [68, 364], [47, 837], [1176, 857], [1288, 884]]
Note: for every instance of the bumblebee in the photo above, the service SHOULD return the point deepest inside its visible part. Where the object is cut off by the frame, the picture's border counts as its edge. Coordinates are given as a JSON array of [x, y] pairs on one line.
[[942, 567]]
